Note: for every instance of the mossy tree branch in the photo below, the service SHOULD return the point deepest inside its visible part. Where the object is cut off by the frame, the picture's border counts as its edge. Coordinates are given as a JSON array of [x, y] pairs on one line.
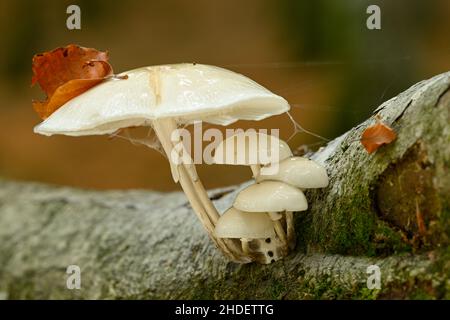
[[390, 208]]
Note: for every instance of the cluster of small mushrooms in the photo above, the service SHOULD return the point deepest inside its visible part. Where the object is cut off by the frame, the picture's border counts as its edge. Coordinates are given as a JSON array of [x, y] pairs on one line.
[[164, 98], [262, 213]]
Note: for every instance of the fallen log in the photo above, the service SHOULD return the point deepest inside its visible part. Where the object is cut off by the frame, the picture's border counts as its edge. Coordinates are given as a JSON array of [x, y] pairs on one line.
[[389, 209]]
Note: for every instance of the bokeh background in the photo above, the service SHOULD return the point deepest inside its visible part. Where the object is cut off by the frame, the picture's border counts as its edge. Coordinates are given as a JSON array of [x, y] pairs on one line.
[[318, 54]]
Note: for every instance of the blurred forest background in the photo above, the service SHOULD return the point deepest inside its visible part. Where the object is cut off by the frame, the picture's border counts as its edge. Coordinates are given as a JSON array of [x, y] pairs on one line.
[[318, 54]]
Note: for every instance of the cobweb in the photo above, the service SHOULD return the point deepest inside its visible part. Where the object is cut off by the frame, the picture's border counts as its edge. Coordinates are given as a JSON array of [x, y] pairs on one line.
[[299, 129], [140, 136]]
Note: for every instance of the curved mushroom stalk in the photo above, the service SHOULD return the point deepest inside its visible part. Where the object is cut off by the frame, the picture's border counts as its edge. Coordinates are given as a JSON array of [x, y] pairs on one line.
[[290, 230], [186, 174], [256, 170], [279, 230], [245, 246]]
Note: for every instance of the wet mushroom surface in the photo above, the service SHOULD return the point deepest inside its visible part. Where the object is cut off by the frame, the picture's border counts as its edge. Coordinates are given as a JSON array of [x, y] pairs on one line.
[[165, 98]]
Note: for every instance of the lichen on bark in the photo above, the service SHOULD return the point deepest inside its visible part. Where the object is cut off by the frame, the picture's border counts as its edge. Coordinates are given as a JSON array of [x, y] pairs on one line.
[[362, 201]]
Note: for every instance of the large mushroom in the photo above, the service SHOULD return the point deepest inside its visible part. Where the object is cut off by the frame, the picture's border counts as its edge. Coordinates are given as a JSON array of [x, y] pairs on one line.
[[165, 98]]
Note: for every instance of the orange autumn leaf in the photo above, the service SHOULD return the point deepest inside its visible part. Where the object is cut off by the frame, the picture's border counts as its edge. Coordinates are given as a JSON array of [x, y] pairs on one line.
[[65, 73], [377, 135]]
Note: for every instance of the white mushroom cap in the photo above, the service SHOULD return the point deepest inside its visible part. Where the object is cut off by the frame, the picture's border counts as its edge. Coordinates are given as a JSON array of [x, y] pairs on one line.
[[299, 172], [251, 147], [272, 196], [184, 92], [237, 224]]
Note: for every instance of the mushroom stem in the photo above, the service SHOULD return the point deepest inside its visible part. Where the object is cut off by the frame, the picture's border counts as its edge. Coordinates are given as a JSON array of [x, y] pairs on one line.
[[245, 246], [290, 231], [275, 217], [256, 169], [195, 192]]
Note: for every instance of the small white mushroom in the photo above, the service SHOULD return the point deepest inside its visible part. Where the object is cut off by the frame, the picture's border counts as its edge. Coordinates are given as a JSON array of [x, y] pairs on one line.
[[164, 98], [297, 171], [273, 197], [255, 231], [235, 224], [252, 149]]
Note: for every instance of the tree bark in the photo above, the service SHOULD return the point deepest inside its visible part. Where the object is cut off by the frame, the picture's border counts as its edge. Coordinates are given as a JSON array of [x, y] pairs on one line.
[[390, 209]]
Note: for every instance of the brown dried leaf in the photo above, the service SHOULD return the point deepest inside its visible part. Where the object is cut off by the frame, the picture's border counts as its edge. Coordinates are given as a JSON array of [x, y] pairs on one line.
[[377, 135], [65, 73]]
